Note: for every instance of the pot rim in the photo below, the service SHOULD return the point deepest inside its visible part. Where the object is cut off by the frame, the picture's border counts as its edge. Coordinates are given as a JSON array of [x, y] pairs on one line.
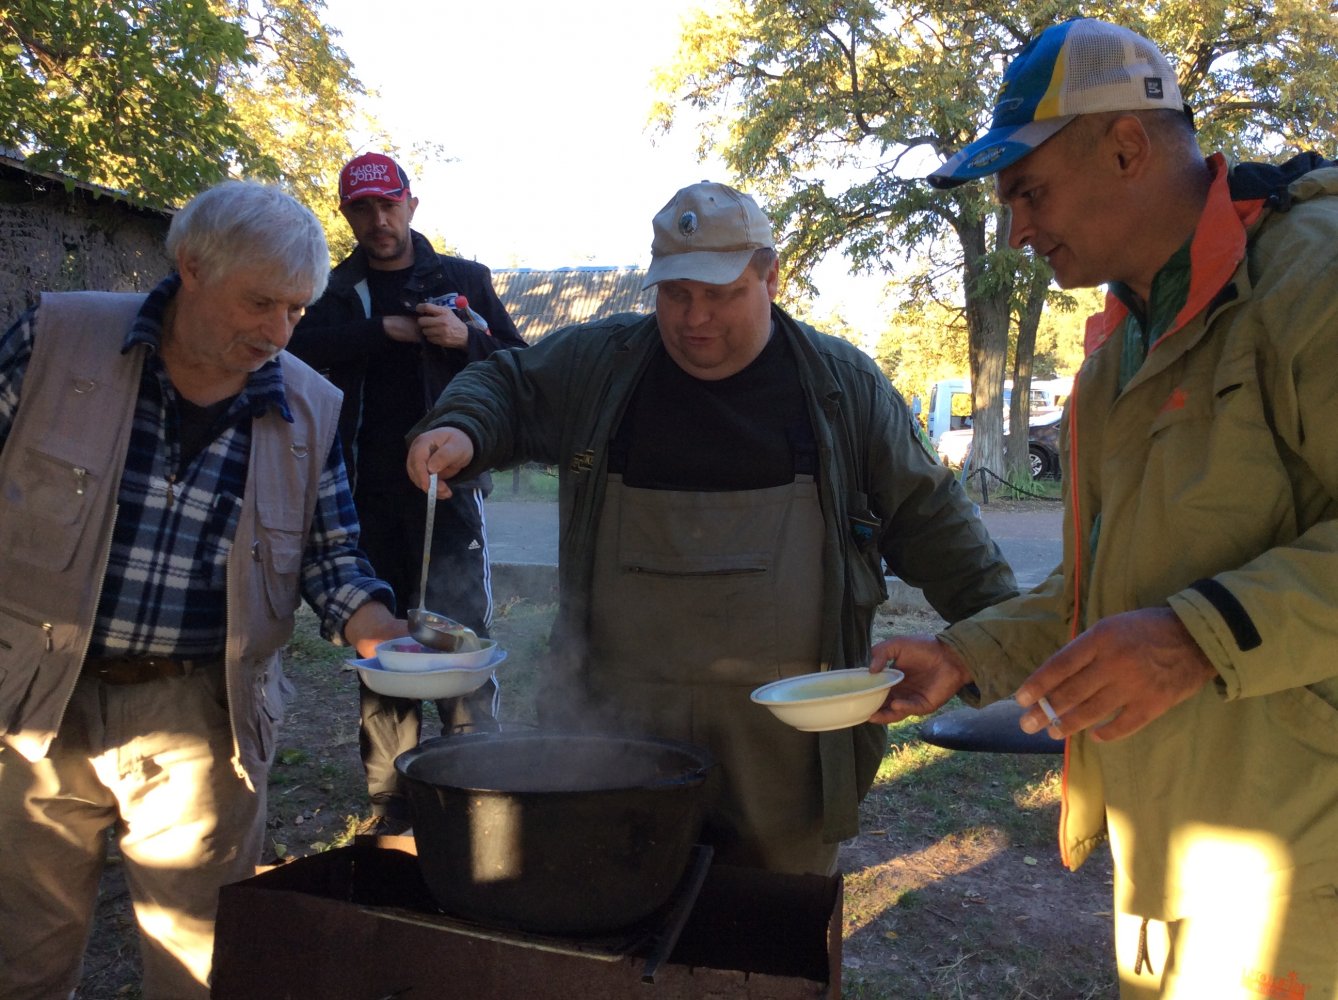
[[694, 774]]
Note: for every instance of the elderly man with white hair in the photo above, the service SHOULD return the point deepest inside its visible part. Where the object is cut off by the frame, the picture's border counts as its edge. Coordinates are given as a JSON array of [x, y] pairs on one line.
[[173, 487]]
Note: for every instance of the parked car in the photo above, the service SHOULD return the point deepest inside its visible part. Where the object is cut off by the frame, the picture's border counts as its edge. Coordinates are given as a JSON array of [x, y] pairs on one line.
[[949, 407], [954, 447], [1043, 444]]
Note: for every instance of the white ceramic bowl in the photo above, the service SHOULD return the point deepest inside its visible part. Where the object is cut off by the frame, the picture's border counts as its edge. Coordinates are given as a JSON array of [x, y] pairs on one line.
[[829, 699], [407, 654], [428, 685]]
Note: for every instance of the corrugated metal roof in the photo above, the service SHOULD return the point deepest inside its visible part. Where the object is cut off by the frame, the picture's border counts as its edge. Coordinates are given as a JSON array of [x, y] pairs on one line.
[[543, 301], [12, 160]]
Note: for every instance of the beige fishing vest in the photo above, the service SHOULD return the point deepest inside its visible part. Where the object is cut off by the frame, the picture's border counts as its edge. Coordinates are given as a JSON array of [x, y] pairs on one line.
[[60, 473]]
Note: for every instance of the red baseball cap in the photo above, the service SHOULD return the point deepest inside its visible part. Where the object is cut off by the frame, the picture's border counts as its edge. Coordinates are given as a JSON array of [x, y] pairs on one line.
[[372, 175]]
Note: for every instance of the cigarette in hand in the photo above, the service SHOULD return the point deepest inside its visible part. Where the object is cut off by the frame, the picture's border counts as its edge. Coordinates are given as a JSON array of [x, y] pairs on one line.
[[1048, 710]]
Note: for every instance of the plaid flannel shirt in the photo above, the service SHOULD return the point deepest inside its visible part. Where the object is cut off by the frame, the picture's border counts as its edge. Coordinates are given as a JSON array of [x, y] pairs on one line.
[[164, 591]]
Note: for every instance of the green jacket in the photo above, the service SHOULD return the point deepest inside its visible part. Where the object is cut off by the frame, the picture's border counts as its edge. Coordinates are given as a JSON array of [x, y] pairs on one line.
[[560, 401], [1214, 476]]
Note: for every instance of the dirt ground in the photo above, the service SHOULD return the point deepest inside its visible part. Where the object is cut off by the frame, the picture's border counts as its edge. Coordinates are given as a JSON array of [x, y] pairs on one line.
[[953, 888]]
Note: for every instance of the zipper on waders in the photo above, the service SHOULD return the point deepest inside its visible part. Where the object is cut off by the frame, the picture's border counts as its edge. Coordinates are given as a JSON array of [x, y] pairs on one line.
[[1079, 565]]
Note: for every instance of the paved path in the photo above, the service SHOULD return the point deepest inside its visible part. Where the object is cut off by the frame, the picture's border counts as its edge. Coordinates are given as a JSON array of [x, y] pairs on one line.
[[1032, 540], [524, 533]]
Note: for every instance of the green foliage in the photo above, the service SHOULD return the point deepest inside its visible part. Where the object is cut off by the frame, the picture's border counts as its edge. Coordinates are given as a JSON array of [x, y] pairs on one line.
[[833, 110], [162, 99], [298, 100], [922, 344], [1059, 339], [121, 93]]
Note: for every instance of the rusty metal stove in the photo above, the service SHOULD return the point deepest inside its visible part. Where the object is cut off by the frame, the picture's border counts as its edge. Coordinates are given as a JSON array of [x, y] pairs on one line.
[[358, 923]]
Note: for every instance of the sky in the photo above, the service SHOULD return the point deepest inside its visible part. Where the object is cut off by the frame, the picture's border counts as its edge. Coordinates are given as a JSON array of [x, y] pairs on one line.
[[542, 111]]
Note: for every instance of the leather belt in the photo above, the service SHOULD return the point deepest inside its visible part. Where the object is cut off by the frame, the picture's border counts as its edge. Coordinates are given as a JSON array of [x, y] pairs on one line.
[[142, 669]]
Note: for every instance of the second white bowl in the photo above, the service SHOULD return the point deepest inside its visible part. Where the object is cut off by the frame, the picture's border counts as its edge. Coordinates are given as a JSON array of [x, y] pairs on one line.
[[406, 653]]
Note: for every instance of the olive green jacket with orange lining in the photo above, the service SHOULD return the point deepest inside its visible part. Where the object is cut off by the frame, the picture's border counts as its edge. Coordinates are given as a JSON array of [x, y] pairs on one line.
[[1208, 484]]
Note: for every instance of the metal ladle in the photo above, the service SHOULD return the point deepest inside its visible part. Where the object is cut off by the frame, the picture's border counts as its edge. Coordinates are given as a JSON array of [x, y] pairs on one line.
[[428, 627]]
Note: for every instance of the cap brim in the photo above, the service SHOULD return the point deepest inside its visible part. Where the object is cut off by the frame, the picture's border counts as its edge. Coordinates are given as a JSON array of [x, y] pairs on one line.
[[359, 195], [712, 267], [996, 149]]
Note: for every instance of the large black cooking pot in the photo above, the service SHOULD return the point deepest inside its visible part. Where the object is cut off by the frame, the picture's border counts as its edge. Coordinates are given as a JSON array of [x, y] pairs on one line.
[[554, 833]]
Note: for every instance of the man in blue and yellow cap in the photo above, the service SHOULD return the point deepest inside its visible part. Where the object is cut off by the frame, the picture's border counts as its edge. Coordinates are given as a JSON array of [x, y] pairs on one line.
[[1187, 647]]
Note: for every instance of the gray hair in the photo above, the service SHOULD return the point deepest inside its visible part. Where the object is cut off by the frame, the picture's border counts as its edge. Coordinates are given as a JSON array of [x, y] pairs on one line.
[[762, 259], [245, 223]]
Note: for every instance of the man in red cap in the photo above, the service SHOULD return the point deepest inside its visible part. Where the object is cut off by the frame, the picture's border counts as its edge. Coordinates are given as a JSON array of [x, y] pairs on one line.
[[382, 335]]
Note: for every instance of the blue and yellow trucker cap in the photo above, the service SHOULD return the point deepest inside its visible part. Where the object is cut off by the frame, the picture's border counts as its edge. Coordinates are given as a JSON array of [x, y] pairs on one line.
[[1079, 67]]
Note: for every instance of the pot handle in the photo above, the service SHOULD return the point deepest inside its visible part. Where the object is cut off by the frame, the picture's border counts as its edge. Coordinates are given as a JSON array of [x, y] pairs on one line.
[[492, 726], [683, 778]]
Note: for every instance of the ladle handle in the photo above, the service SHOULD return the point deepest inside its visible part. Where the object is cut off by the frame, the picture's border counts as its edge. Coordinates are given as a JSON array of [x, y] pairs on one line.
[[427, 538]]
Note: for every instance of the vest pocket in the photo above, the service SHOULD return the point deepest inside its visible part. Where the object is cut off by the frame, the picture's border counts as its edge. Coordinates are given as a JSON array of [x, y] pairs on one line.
[[256, 714], [24, 642], [46, 500], [278, 548]]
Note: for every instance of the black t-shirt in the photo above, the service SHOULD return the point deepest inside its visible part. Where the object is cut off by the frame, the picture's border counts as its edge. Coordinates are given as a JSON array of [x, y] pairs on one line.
[[748, 431], [392, 394], [197, 426]]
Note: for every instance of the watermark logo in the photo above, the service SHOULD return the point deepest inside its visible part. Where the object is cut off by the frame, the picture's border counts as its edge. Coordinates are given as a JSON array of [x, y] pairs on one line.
[[1265, 984]]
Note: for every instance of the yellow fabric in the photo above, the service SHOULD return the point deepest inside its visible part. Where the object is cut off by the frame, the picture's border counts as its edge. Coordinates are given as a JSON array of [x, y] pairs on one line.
[[1217, 461], [1252, 947]]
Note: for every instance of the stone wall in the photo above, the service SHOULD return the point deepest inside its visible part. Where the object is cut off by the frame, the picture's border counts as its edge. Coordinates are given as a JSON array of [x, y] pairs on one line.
[[54, 238]]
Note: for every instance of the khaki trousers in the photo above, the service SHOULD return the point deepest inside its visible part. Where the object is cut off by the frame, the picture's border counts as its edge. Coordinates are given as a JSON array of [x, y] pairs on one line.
[[152, 763]]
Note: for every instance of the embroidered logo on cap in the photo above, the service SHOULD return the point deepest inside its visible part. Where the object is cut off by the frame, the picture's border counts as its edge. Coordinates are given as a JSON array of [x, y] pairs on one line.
[[987, 156], [687, 223], [368, 173], [1152, 87]]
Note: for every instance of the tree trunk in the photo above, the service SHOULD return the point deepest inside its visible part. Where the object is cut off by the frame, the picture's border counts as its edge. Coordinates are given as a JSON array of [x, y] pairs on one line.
[[987, 315], [1019, 410]]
